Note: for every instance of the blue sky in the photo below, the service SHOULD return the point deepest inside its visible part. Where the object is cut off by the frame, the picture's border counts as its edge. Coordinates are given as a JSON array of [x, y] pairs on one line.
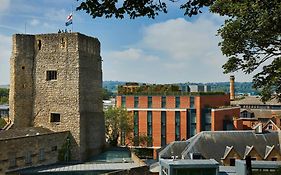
[[169, 49]]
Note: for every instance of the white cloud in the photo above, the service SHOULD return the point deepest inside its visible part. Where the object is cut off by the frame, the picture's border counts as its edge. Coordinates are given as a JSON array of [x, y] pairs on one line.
[[5, 4], [34, 22], [5, 53], [181, 39], [185, 51], [131, 54]]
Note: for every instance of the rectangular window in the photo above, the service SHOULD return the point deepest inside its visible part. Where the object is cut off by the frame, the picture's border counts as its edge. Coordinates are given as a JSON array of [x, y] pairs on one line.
[[208, 120], [12, 160], [191, 102], [41, 154], [177, 126], [55, 117], [232, 161], [149, 128], [51, 75], [136, 128], [136, 102], [163, 102], [163, 128], [149, 102], [192, 124], [28, 159], [177, 102], [123, 101]]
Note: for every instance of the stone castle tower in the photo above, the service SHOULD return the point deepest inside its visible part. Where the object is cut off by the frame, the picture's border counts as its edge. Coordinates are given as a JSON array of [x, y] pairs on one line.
[[56, 82]]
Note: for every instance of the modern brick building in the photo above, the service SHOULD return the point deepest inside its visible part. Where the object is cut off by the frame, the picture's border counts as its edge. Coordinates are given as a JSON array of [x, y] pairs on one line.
[[168, 118]]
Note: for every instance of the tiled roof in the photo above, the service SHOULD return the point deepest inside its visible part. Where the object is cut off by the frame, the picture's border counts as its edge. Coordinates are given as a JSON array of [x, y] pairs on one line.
[[23, 132], [212, 144], [254, 100]]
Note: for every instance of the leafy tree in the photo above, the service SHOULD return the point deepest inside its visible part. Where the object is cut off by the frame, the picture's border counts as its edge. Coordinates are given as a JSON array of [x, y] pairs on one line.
[[4, 96], [106, 94], [2, 123], [138, 8], [117, 121], [252, 38]]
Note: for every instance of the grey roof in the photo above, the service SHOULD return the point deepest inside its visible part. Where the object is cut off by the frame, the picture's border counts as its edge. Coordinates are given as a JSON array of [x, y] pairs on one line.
[[212, 144], [4, 107], [254, 100], [81, 167], [187, 163], [23, 132]]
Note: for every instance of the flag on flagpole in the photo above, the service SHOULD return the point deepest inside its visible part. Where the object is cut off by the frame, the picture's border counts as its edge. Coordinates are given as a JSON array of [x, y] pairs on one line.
[[68, 20]]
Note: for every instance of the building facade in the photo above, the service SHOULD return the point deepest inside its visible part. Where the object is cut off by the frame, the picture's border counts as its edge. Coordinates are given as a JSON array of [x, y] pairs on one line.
[[169, 118], [56, 88]]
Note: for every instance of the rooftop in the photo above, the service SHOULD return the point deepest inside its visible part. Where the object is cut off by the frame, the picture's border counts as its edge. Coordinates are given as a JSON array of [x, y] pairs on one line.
[[219, 141], [254, 100], [23, 132]]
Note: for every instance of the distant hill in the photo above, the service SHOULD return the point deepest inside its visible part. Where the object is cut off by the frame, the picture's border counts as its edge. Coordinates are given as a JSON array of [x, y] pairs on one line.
[[4, 86], [240, 87]]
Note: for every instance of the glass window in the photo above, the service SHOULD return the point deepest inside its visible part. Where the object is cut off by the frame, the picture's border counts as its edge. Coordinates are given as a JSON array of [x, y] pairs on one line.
[[177, 126], [28, 159], [123, 101], [163, 128], [177, 102], [191, 102], [163, 102], [41, 154], [149, 128], [192, 130], [136, 128], [149, 102], [136, 102]]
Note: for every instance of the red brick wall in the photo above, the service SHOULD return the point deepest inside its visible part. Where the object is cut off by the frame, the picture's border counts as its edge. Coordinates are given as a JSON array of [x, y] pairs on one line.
[[170, 102], [197, 106], [142, 123], [129, 101], [184, 102], [118, 101], [170, 126], [183, 125], [219, 115], [143, 101], [156, 128], [156, 101], [214, 100]]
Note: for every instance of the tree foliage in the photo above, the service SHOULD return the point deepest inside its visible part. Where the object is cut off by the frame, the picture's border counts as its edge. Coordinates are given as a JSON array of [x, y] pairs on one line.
[[137, 8], [117, 120], [4, 96], [251, 37]]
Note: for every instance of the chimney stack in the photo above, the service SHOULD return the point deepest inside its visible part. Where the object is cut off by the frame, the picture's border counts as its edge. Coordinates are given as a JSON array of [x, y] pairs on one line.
[[232, 91]]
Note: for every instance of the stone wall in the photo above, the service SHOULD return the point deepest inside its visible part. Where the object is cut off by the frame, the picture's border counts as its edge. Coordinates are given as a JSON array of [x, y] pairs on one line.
[[74, 94], [21, 85], [23, 152]]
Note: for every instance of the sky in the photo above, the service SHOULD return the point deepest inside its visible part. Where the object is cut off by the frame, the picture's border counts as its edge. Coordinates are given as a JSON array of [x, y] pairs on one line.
[[172, 48]]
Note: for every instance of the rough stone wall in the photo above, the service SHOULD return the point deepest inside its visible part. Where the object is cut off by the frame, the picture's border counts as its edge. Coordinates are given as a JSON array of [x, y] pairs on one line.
[[21, 85], [18, 148], [75, 94], [61, 95], [92, 126]]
